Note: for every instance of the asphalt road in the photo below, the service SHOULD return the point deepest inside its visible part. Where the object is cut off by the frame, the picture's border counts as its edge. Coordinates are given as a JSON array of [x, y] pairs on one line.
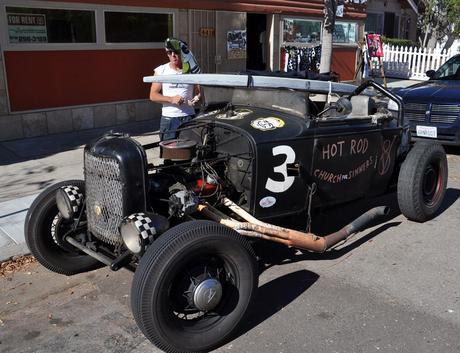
[[394, 288]]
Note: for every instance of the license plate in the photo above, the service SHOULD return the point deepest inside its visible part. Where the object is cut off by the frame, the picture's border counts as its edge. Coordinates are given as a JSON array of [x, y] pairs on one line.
[[427, 131]]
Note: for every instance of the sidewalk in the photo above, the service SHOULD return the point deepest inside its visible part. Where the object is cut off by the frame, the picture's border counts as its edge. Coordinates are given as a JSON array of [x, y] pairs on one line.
[[12, 216], [27, 166]]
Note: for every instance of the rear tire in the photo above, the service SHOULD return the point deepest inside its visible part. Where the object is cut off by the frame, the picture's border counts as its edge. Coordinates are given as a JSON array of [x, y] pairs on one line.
[[422, 181], [192, 263], [44, 225]]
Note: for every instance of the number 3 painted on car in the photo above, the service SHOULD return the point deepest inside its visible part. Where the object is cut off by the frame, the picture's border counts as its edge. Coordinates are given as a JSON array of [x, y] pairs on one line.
[[282, 186]]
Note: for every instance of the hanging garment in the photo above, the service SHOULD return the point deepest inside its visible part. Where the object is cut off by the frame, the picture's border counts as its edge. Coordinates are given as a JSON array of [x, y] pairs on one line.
[[304, 59], [293, 59], [317, 51]]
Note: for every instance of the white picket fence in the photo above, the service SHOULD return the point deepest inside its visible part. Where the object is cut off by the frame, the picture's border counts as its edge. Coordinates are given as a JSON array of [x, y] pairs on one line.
[[412, 62]]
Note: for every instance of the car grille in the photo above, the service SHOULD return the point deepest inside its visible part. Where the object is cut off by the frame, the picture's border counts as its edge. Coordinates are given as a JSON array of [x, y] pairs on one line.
[[444, 113], [415, 111], [440, 113], [104, 198]]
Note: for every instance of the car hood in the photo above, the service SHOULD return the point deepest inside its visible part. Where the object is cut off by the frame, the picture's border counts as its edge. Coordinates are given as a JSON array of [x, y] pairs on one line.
[[432, 91]]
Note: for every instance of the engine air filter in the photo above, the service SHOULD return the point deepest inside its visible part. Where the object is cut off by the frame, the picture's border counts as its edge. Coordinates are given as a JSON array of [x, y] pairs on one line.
[[177, 150]]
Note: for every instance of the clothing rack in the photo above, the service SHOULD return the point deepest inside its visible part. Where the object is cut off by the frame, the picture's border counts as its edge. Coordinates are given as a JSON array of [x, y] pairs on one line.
[[301, 57]]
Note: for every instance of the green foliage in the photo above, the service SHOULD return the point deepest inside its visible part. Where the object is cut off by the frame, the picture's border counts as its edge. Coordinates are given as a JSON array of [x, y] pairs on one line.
[[398, 41], [453, 14], [437, 19]]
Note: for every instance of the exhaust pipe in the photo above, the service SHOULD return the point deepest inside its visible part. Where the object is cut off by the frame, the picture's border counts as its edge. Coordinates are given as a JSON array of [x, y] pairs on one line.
[[356, 226], [290, 237]]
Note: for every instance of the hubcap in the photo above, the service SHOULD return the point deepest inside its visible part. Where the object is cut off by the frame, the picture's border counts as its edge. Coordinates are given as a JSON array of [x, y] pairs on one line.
[[207, 294], [431, 184], [430, 181]]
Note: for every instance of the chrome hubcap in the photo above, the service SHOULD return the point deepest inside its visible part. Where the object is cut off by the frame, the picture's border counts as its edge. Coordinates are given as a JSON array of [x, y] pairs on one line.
[[207, 294]]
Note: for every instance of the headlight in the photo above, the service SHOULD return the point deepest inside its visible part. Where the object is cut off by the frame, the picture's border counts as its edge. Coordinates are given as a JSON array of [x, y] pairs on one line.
[[69, 200], [138, 230]]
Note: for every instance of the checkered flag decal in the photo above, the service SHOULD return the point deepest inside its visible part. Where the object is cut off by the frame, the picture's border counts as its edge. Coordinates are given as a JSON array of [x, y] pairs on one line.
[[75, 196], [144, 224]]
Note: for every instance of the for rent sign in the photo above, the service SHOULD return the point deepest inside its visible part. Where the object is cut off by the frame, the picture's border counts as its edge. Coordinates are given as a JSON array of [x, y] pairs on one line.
[[27, 28]]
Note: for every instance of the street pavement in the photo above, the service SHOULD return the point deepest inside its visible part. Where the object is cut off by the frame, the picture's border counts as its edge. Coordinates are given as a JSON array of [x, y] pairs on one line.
[[393, 288]]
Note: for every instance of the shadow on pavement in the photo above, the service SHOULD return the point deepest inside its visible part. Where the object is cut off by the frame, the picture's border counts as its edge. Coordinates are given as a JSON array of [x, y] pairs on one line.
[[451, 196], [452, 150], [38, 147], [274, 296]]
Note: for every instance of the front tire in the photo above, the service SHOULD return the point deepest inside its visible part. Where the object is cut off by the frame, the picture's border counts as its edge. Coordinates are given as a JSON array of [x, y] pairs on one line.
[[422, 181], [193, 287], [43, 228]]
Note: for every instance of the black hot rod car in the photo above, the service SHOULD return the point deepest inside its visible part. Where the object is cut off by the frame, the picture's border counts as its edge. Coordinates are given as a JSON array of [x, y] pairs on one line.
[[261, 150]]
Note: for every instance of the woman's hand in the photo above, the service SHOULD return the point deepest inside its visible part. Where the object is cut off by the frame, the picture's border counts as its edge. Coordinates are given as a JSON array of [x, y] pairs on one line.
[[178, 100], [194, 100]]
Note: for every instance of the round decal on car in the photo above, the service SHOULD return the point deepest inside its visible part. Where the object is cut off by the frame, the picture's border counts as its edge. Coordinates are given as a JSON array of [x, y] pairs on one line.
[[266, 124], [267, 202]]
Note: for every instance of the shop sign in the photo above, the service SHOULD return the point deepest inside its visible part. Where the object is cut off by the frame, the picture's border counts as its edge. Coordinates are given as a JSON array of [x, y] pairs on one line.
[[374, 45], [207, 32], [27, 28], [236, 44], [339, 12]]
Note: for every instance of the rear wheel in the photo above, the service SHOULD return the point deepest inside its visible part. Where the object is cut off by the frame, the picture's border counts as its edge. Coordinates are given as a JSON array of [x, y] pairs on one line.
[[44, 228], [422, 181], [193, 287]]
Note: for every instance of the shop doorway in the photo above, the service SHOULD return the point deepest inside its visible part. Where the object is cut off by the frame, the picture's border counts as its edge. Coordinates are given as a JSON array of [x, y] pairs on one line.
[[256, 26]]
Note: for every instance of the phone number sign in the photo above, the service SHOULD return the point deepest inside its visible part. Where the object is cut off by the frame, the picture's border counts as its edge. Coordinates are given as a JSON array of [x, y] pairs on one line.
[[27, 28]]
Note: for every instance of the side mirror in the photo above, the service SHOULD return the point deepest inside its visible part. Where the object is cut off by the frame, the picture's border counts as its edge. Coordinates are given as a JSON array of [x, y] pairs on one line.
[[343, 106], [430, 73]]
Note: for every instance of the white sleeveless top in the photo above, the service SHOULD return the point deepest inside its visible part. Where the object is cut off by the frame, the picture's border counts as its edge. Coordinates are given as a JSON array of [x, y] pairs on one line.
[[175, 89]]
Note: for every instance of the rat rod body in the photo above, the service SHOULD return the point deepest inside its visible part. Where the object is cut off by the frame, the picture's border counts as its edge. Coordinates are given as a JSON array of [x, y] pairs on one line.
[[262, 150]]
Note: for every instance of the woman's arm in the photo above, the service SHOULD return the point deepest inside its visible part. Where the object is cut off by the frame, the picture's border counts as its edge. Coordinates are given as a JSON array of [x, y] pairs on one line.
[[157, 96]]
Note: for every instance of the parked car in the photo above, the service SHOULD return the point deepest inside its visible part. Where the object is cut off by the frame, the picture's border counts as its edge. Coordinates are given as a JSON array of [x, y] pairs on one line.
[[263, 150], [432, 108]]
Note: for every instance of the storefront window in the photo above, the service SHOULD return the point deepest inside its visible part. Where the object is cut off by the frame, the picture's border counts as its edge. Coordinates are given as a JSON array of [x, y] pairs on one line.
[[301, 31], [374, 23], [36, 25], [344, 32], [131, 27]]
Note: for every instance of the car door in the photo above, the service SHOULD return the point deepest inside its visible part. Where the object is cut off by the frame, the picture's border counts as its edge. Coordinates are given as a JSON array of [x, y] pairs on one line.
[[352, 159]]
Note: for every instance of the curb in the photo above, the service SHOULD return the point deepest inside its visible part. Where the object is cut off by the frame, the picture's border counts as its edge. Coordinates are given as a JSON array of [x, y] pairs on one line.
[[12, 217]]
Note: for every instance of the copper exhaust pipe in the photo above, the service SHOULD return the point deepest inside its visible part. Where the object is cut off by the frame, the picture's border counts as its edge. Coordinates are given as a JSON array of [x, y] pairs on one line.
[[290, 237], [357, 225]]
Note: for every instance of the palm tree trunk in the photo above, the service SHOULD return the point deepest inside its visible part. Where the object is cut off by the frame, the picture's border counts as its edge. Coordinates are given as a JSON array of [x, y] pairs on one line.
[[330, 7], [326, 52]]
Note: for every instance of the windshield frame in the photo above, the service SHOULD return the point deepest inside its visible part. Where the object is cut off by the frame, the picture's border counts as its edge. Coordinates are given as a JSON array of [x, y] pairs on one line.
[[450, 70]]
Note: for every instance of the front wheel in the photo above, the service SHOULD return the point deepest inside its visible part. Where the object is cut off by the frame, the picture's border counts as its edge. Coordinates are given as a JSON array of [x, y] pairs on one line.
[[193, 287], [44, 228], [422, 181]]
